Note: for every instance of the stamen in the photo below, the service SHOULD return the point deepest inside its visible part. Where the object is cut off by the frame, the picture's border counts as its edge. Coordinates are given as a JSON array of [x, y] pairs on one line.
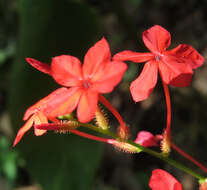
[[86, 84], [157, 57]]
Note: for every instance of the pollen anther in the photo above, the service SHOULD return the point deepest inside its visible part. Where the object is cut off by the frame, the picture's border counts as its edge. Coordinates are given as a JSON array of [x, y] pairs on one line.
[[157, 57], [86, 84]]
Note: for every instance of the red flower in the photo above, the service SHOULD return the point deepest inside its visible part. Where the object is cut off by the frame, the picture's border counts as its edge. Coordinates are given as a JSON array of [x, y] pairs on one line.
[[161, 180], [42, 111], [147, 139], [203, 185], [97, 75], [175, 66]]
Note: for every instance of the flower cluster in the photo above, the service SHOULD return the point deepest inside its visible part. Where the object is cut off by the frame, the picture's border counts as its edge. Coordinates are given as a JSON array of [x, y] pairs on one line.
[[84, 84]]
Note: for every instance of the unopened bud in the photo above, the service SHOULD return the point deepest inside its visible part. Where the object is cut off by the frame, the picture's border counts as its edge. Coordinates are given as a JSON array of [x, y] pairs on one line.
[[123, 132], [101, 119], [125, 147], [165, 144]]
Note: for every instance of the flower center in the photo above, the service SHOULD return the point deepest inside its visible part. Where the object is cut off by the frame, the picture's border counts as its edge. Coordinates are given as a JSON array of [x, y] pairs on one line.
[[86, 84], [157, 58]]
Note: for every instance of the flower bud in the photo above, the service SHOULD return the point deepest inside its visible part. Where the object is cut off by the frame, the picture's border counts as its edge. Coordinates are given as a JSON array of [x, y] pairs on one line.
[[123, 146], [123, 132], [101, 119], [165, 144]]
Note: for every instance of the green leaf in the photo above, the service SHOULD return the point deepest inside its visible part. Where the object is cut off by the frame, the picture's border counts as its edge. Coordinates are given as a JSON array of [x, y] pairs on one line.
[[49, 28], [8, 160]]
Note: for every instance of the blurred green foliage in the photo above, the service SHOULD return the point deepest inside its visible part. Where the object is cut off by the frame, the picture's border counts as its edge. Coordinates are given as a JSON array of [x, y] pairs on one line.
[[8, 161], [7, 53]]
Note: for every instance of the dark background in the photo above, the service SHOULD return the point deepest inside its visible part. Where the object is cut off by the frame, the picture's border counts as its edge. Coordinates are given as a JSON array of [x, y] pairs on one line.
[[45, 28]]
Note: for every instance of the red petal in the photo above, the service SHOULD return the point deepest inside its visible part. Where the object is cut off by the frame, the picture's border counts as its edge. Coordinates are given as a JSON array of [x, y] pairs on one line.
[[161, 180], [66, 70], [65, 104], [145, 83], [51, 101], [156, 39], [203, 185], [146, 139], [175, 71], [40, 119], [108, 77], [23, 130], [97, 56], [87, 106], [189, 53], [133, 56], [45, 68]]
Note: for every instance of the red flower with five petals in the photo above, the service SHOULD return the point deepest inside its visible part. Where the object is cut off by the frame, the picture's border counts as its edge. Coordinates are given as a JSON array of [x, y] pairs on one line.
[[98, 74], [162, 180], [175, 66], [82, 85]]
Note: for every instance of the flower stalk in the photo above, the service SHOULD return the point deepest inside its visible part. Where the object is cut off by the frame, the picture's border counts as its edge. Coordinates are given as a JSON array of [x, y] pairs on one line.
[[123, 130], [107, 104], [165, 144]]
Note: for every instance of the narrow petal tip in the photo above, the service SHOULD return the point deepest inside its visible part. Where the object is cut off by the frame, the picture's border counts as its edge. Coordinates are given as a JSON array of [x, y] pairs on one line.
[[43, 67], [15, 142], [23, 130]]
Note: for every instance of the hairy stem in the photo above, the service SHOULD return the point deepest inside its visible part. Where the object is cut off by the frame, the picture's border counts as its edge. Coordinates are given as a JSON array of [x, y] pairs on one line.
[[147, 150]]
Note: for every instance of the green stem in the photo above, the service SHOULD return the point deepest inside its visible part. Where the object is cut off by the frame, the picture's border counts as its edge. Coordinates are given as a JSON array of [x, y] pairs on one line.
[[148, 151], [99, 130], [170, 161]]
